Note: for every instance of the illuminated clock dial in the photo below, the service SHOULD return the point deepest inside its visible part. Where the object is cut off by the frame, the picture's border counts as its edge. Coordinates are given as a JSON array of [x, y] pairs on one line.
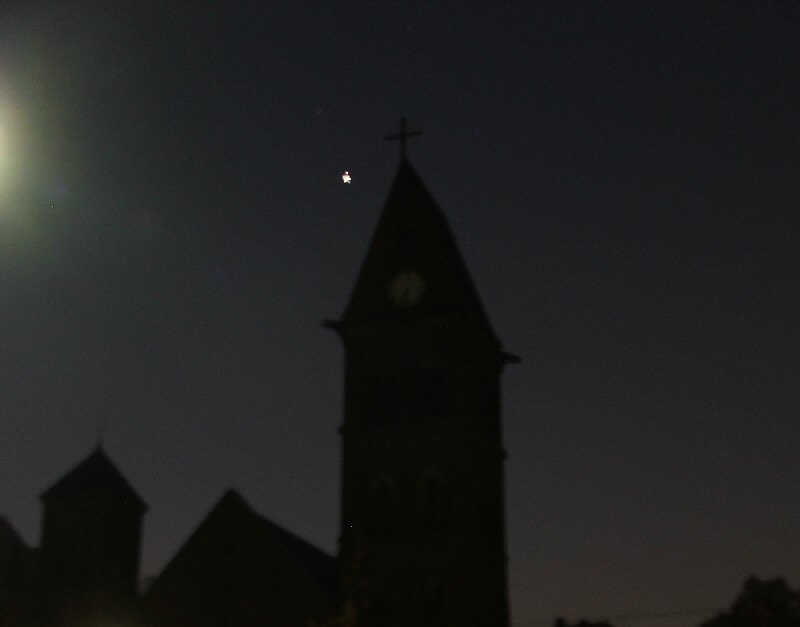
[[406, 289]]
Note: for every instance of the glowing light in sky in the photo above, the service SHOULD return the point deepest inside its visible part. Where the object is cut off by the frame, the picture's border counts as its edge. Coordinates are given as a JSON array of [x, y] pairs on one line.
[[346, 178], [7, 166], [3, 150], [15, 221]]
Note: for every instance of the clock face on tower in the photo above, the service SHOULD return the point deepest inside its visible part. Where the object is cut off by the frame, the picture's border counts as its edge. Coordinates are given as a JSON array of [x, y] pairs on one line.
[[406, 289]]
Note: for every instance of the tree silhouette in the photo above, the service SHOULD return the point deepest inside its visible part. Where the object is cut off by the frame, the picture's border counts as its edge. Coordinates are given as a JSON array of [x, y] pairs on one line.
[[769, 603]]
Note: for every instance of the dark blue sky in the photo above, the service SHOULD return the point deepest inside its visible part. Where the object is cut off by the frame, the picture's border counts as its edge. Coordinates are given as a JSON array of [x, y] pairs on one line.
[[623, 179]]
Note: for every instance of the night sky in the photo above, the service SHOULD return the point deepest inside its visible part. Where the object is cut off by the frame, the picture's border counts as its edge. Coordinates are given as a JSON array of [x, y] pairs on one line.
[[623, 180]]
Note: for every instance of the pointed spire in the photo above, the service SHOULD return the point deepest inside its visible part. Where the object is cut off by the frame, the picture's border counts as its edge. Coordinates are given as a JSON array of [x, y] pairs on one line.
[[412, 241]]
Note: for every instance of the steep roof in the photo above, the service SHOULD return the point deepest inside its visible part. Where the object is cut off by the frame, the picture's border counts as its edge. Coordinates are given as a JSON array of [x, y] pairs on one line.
[[413, 236], [94, 476], [231, 523], [320, 566], [237, 566]]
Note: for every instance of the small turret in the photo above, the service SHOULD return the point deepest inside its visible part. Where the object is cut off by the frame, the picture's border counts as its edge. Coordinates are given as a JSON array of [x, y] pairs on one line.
[[91, 537]]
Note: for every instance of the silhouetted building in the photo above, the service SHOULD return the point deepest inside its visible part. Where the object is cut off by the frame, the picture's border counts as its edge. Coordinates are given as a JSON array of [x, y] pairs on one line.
[[91, 538], [239, 568], [17, 578], [422, 521], [86, 569], [422, 540]]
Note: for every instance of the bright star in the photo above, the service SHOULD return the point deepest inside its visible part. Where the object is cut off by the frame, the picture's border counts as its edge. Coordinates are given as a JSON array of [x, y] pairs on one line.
[[346, 178]]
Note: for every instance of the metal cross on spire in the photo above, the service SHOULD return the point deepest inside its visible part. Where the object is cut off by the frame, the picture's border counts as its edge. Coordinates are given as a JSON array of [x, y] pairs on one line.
[[402, 136]]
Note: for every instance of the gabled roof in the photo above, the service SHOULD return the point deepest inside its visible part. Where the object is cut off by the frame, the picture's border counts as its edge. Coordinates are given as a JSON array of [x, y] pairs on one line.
[[94, 476], [234, 534], [320, 566], [413, 236]]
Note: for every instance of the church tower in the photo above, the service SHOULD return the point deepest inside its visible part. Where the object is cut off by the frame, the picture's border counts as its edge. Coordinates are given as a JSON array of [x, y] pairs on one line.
[[422, 538], [91, 534]]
